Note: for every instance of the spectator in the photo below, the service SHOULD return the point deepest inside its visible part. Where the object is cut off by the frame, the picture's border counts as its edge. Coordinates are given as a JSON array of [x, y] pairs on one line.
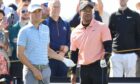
[[93, 41], [25, 2], [124, 25], [6, 10], [13, 16], [75, 21], [13, 32], [33, 49], [45, 9], [4, 60], [59, 38]]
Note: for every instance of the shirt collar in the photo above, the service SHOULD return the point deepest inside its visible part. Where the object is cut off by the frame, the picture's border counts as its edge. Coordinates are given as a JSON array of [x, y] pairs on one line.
[[54, 20], [31, 25], [124, 11]]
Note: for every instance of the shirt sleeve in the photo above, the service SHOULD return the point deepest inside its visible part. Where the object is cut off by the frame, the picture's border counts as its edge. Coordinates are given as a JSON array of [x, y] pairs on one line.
[[105, 34], [22, 38], [73, 46]]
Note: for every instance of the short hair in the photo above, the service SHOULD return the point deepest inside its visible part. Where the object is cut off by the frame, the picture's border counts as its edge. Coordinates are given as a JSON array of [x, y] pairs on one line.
[[51, 2], [1, 11]]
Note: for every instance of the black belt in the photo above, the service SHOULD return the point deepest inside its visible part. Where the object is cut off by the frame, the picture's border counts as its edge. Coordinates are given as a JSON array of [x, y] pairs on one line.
[[96, 63]]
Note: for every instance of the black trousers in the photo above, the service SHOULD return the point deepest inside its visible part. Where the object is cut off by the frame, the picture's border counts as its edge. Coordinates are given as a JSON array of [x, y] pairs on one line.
[[93, 74]]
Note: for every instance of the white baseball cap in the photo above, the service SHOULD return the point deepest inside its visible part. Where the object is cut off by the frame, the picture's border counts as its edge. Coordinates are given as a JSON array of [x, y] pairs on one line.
[[33, 7], [39, 1]]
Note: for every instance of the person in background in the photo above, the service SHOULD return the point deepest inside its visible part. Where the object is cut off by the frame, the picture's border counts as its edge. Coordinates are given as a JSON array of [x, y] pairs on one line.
[[33, 49], [13, 32], [6, 9], [13, 17], [25, 2], [75, 21], [4, 60], [124, 25], [92, 40], [45, 9], [59, 38]]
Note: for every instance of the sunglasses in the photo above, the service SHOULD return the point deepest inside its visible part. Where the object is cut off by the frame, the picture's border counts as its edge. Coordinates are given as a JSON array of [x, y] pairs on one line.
[[26, 0], [24, 11]]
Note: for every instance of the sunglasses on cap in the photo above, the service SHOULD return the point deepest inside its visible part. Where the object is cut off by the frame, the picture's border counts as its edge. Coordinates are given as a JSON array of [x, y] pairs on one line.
[[26, 0], [24, 11]]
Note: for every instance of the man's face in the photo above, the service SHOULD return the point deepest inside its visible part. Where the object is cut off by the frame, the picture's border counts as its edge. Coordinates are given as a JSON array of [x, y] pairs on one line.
[[55, 9], [123, 3], [3, 21], [45, 11], [24, 13], [86, 15], [36, 16]]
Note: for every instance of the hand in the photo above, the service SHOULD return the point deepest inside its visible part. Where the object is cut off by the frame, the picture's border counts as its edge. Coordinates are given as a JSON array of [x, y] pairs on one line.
[[64, 48], [73, 79], [62, 53], [68, 62], [37, 74], [103, 63]]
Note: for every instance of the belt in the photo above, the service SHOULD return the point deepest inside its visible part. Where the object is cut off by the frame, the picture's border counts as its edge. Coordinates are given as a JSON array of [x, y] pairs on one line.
[[96, 63], [40, 67]]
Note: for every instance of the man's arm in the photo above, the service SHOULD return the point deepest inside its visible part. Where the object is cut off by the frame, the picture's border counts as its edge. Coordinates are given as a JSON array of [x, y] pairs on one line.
[[74, 58], [60, 57], [108, 49], [25, 61], [100, 7], [54, 55]]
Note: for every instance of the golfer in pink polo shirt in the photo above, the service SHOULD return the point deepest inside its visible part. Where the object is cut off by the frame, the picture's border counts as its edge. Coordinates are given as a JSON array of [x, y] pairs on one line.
[[90, 42]]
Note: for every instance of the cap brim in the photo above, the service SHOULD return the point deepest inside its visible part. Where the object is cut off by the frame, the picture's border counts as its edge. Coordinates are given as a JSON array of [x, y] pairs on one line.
[[34, 9], [85, 5]]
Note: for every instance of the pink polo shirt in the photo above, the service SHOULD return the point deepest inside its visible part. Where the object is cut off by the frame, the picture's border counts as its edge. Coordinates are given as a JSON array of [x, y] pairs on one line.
[[89, 41]]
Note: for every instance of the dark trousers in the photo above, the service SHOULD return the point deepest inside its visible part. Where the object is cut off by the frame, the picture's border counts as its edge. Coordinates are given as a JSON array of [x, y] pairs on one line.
[[58, 68], [16, 72], [93, 74]]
